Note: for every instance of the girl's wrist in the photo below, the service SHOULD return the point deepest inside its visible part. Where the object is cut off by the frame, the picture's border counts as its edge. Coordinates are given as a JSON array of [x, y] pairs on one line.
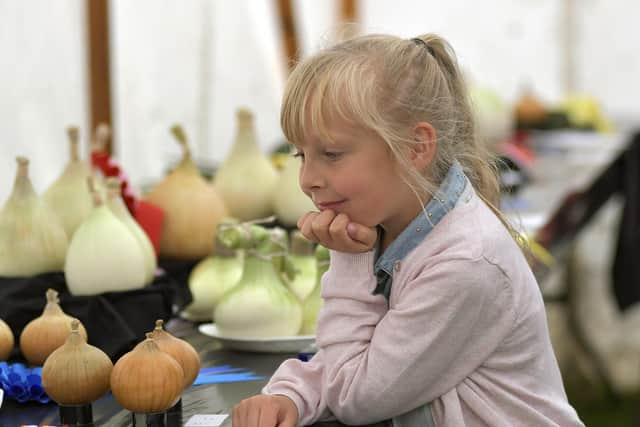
[[354, 263]]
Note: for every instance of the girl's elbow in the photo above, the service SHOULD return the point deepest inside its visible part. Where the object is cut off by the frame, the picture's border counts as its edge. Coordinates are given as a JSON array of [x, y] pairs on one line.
[[356, 410]]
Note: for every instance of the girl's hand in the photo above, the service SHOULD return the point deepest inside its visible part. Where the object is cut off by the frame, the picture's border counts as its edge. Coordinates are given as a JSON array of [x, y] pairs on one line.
[[337, 232], [265, 411]]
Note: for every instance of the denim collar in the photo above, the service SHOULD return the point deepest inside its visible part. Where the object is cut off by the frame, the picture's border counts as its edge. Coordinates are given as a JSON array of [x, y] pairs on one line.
[[442, 202]]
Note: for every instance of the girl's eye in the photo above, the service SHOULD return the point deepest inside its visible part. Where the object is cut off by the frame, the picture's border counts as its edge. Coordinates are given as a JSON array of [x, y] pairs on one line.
[[298, 154], [332, 155]]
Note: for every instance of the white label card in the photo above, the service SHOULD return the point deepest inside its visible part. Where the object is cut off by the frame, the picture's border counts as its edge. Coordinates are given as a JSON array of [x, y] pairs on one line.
[[212, 420]]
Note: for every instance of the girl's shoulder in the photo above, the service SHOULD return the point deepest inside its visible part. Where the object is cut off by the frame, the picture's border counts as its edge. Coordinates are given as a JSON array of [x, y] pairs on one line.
[[470, 234]]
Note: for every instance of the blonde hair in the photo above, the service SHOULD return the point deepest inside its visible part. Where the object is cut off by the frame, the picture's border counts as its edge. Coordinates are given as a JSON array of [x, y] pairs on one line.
[[388, 84]]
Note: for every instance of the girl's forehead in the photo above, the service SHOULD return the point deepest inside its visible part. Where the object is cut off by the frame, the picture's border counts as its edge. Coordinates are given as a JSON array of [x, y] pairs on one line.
[[330, 127]]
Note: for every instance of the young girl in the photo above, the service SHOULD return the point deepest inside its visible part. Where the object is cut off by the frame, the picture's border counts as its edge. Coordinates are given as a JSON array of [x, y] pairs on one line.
[[431, 314]]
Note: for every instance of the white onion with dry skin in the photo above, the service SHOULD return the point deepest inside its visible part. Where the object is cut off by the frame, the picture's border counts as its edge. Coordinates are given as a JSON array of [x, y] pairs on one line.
[[259, 305], [192, 208], [6, 341], [210, 279], [289, 202], [47, 332], [104, 256], [247, 180], [76, 373], [68, 195], [304, 261], [147, 380], [32, 238], [119, 209]]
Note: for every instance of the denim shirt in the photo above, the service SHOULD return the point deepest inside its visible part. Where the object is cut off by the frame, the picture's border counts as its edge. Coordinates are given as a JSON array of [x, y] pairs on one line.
[[442, 202]]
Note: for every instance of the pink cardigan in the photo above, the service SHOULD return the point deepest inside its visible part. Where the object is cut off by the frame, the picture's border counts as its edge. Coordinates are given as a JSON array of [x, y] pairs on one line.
[[465, 330]]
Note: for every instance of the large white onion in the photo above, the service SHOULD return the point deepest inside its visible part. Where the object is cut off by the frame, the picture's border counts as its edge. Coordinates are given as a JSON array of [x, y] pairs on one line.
[[104, 256], [192, 208], [32, 237], [119, 209], [247, 179], [289, 202], [259, 305], [68, 195]]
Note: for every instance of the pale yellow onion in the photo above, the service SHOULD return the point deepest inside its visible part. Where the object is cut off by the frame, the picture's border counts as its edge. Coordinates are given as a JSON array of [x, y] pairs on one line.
[[259, 305], [44, 334], [147, 380], [76, 373], [303, 259], [68, 195], [192, 209], [6, 341], [32, 237], [104, 256], [117, 206], [312, 304], [247, 179], [289, 202], [179, 349], [210, 279]]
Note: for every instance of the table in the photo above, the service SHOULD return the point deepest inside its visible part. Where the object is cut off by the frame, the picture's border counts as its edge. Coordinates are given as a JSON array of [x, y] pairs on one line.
[[202, 399]]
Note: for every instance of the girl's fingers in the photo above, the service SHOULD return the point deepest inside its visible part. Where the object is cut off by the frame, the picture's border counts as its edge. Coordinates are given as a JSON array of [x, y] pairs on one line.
[[320, 226], [304, 224], [304, 218], [338, 230], [366, 236], [268, 416]]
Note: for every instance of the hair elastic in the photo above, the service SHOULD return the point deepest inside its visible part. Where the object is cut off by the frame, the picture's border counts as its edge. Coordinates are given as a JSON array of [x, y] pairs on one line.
[[419, 42]]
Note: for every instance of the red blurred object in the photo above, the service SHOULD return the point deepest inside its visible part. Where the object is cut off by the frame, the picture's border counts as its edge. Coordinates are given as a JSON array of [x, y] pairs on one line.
[[518, 149], [103, 161], [149, 216]]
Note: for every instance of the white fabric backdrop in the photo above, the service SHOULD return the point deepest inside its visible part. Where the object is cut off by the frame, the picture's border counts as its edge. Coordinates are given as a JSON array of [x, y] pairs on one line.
[[195, 62]]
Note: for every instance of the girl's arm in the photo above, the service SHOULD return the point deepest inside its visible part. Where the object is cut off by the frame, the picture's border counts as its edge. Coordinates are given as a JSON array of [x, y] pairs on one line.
[[444, 325], [304, 382]]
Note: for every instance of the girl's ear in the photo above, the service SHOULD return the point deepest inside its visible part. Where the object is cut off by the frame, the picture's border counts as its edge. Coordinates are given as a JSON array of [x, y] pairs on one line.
[[423, 150]]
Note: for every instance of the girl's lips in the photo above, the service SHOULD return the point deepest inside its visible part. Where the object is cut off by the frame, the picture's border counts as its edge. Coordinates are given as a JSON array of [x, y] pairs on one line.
[[330, 205]]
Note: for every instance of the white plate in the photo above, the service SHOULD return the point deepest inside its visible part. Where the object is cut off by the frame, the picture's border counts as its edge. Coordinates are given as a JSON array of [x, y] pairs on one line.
[[294, 344]]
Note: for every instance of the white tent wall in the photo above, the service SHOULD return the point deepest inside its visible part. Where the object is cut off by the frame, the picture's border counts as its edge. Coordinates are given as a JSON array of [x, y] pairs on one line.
[[501, 44], [195, 62], [43, 86], [607, 55]]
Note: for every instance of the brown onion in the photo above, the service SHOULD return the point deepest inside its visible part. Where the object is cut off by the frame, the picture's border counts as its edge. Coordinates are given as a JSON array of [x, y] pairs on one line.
[[147, 380], [76, 373], [46, 333], [192, 208], [180, 350], [6, 341]]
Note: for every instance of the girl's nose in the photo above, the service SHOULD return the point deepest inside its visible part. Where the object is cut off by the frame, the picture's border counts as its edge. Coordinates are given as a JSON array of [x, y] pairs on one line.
[[310, 178]]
